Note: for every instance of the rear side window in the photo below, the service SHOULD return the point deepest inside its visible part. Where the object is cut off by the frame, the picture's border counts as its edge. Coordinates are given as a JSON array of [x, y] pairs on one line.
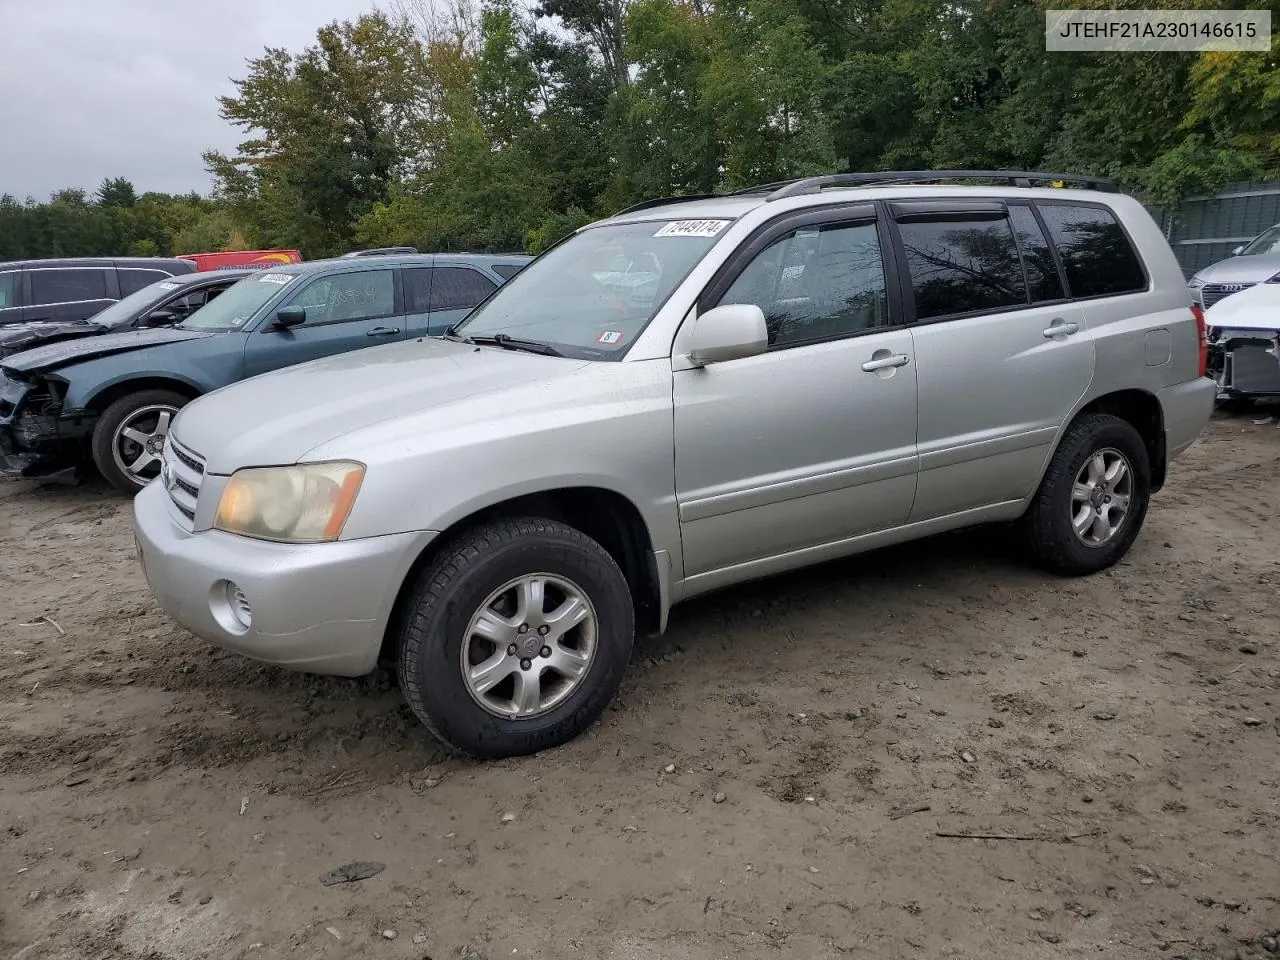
[[962, 264], [133, 280], [457, 288], [1097, 257], [1042, 271], [68, 286], [506, 270], [417, 290], [9, 289]]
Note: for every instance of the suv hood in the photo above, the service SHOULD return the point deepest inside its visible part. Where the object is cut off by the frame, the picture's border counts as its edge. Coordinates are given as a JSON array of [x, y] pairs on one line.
[[16, 337], [1252, 269], [60, 354], [1257, 308], [276, 418]]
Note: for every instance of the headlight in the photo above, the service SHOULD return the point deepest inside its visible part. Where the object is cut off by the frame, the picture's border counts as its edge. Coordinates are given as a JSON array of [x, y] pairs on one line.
[[306, 503]]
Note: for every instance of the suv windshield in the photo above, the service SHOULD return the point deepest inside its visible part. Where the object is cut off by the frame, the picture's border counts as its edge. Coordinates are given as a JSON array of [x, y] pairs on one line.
[[591, 296], [1266, 242], [238, 303], [135, 304]]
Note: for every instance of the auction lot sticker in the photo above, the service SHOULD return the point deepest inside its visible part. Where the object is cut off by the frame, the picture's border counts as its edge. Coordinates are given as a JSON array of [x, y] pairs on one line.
[[692, 228], [280, 278]]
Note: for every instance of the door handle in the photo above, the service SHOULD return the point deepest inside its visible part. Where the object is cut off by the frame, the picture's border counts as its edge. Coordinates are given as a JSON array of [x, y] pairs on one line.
[[383, 332], [884, 363], [1060, 327]]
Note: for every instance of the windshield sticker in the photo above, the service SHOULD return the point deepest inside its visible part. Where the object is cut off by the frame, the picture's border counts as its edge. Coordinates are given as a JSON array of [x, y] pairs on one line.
[[692, 228], [280, 278], [167, 286], [611, 336]]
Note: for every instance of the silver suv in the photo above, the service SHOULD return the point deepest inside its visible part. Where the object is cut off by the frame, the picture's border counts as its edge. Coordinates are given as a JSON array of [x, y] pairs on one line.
[[690, 394]]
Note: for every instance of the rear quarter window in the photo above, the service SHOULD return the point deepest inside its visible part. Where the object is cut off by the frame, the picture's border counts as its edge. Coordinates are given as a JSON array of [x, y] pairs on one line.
[[1096, 255], [133, 279]]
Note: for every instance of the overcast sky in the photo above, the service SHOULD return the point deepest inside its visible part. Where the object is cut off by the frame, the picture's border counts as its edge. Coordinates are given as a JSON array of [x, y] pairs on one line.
[[128, 88]]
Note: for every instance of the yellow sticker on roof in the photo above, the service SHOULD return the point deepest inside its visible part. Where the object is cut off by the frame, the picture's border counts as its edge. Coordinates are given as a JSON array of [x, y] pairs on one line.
[[692, 228]]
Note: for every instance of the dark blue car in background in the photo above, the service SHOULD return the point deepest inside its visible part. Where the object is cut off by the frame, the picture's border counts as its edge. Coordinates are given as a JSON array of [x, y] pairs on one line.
[[107, 400]]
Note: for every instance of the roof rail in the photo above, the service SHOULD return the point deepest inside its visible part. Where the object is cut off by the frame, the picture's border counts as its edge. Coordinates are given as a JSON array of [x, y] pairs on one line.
[[1014, 178], [764, 187], [662, 201]]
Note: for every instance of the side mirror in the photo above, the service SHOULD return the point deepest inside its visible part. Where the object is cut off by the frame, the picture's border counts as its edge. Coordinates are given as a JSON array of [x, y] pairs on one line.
[[1236, 251], [160, 318], [287, 317], [728, 332]]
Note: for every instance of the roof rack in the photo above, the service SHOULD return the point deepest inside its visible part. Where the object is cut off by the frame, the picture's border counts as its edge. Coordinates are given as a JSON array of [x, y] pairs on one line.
[[1014, 178], [662, 201]]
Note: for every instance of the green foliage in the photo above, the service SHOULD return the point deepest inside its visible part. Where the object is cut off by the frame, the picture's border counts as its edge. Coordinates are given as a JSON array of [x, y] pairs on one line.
[[494, 124]]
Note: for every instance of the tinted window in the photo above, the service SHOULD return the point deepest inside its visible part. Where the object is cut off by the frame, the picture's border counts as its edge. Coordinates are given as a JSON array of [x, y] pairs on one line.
[[959, 265], [457, 288], [132, 281], [1096, 255], [67, 286], [348, 296], [507, 270], [815, 284], [1037, 258], [417, 290], [9, 289]]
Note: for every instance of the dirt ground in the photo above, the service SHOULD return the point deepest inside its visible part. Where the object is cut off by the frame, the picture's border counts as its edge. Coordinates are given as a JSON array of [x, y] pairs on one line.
[[160, 799]]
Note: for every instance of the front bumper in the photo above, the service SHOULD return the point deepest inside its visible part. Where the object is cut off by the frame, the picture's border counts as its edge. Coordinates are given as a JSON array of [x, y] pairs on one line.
[[319, 608], [32, 437], [1246, 363]]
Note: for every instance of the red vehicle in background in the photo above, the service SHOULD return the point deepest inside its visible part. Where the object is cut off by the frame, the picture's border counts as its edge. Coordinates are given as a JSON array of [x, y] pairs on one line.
[[261, 259]]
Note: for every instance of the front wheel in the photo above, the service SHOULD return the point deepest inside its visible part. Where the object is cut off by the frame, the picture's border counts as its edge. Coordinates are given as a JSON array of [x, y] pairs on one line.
[[1092, 500], [129, 437], [515, 638]]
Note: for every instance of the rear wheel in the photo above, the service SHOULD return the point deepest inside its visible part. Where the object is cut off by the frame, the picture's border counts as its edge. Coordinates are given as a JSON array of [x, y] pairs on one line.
[[1093, 499], [129, 437], [516, 638]]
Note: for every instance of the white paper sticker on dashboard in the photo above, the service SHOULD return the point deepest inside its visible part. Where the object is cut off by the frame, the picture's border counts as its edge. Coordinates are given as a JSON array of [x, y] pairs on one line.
[[692, 228], [280, 278]]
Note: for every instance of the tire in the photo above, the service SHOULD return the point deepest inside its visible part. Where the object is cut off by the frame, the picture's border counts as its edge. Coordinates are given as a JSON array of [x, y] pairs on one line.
[[1046, 529], [152, 410], [461, 583]]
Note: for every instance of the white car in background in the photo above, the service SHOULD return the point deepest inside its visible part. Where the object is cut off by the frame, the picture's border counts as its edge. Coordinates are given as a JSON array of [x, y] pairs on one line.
[[1244, 342]]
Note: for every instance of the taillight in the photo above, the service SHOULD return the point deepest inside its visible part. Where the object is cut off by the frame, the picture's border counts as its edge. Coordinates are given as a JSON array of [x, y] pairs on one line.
[[1202, 334]]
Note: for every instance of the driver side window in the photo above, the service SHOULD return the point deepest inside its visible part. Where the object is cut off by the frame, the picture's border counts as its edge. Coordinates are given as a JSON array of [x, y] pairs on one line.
[[816, 283], [342, 297]]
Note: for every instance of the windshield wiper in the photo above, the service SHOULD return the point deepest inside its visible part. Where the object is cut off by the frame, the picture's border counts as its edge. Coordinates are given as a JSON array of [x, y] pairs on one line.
[[452, 334], [508, 342]]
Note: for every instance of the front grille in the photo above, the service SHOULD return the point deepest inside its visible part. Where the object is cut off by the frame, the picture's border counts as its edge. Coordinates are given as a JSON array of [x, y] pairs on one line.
[[182, 474], [1211, 293]]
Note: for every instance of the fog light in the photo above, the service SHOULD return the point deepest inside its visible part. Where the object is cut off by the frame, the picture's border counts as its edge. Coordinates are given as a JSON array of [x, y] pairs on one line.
[[239, 605], [230, 607]]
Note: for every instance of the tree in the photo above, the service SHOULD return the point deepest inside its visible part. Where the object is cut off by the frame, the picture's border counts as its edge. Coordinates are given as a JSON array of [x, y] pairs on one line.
[[330, 129], [116, 192]]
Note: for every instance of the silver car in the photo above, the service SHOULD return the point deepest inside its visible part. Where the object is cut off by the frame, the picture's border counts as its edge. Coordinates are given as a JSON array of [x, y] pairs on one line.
[[1254, 262], [809, 370]]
